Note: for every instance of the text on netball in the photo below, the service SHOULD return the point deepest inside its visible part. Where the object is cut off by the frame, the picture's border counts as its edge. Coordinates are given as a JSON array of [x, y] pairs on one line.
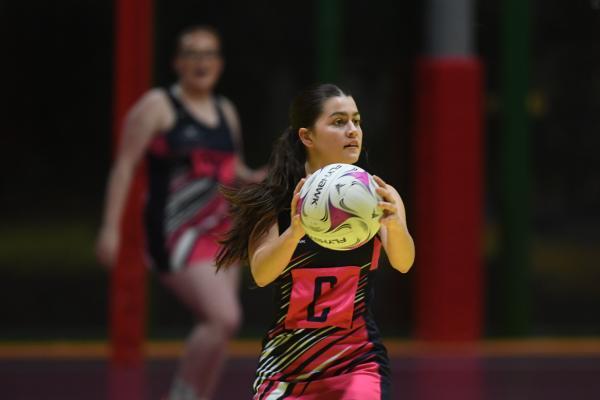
[[322, 183]]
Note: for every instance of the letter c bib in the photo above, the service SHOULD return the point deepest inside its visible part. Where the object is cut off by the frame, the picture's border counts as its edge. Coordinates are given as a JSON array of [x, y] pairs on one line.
[[322, 297]]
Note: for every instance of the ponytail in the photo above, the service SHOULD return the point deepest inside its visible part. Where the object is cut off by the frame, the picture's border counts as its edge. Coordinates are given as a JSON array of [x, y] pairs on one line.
[[255, 207]]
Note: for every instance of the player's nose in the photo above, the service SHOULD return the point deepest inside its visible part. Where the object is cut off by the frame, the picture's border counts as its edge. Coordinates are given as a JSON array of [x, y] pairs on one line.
[[352, 129]]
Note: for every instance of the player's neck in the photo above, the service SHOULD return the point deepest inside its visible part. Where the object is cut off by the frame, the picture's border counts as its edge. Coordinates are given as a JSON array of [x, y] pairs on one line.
[[312, 166], [194, 95]]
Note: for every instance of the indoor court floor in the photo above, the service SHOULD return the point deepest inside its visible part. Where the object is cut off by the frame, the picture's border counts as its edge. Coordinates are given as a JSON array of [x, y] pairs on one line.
[[528, 370]]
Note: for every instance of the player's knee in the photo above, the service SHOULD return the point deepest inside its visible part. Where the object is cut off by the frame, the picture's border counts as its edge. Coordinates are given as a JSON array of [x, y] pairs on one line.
[[227, 325], [231, 324]]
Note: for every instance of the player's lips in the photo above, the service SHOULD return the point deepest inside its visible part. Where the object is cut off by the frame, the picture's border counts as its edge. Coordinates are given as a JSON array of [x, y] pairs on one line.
[[201, 72], [352, 144]]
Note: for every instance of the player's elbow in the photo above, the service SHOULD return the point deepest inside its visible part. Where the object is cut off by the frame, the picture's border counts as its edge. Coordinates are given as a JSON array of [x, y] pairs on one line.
[[260, 282], [403, 267], [403, 262], [260, 278]]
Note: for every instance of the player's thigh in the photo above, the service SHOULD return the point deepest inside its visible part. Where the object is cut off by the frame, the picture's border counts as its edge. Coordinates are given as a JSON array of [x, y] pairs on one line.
[[209, 294]]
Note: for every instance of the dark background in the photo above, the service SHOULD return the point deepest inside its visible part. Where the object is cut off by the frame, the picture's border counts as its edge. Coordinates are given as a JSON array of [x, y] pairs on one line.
[[56, 104]]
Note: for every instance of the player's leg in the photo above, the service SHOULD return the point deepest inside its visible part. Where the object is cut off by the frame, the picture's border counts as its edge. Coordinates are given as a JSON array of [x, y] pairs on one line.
[[213, 299]]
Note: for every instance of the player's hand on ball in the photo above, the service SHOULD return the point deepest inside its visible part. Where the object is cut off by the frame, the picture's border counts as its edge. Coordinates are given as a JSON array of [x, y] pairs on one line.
[[388, 204], [296, 225]]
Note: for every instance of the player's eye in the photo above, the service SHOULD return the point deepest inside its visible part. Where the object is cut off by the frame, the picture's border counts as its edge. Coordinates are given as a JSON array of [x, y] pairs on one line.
[[339, 122], [356, 122]]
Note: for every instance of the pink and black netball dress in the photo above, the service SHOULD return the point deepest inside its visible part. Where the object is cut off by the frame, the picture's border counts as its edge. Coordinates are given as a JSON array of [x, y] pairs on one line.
[[185, 213], [324, 343]]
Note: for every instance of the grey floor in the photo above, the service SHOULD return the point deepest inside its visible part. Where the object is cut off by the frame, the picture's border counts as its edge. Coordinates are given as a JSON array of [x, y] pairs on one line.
[[422, 378]]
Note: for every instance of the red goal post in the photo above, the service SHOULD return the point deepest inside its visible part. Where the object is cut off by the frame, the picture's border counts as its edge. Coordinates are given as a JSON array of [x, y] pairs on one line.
[[132, 77]]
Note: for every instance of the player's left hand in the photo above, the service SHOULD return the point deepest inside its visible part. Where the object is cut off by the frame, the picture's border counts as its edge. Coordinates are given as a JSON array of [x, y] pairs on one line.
[[389, 204], [258, 175]]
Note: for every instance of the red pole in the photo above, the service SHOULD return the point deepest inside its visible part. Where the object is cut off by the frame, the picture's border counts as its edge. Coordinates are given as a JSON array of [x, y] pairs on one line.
[[133, 60], [448, 209]]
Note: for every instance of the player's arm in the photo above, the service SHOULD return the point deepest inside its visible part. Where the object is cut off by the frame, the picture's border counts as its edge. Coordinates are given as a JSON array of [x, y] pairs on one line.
[[143, 120], [241, 169], [270, 253], [395, 238]]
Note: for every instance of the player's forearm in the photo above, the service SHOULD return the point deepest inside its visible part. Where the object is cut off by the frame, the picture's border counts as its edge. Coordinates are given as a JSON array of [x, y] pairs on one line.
[[242, 171], [271, 258], [117, 189], [400, 248]]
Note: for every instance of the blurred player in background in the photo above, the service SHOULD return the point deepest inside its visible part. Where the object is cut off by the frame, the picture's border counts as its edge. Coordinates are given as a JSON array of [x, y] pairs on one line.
[[191, 140]]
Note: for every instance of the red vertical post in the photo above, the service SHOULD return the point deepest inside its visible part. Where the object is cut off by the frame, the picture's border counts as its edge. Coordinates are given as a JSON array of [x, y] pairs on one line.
[[449, 195], [133, 61]]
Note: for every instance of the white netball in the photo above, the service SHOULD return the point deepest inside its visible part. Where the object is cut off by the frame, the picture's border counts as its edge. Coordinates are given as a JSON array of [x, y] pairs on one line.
[[338, 207]]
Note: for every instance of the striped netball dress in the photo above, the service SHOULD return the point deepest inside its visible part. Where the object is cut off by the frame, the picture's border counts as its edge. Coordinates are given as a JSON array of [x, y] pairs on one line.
[[324, 343], [184, 211]]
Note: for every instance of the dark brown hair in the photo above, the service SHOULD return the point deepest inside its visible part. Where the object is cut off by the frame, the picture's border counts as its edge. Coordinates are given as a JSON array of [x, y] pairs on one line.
[[254, 208], [195, 29]]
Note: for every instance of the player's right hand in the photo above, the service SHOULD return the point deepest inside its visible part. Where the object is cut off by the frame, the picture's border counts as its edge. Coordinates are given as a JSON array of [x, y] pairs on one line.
[[296, 225], [107, 246]]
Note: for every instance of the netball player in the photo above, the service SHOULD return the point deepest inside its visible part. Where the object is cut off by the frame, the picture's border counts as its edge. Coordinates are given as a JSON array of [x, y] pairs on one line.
[[323, 343], [191, 141]]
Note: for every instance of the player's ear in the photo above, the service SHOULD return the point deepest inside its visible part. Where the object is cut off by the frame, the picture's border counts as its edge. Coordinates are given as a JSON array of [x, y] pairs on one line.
[[305, 136]]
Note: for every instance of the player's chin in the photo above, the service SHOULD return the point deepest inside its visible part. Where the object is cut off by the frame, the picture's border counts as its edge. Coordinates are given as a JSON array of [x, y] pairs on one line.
[[205, 83], [351, 155]]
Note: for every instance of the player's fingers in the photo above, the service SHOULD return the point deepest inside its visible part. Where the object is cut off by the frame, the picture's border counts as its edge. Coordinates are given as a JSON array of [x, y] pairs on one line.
[[385, 194], [296, 196], [387, 206], [388, 211], [296, 220], [294, 204], [299, 185], [105, 259], [297, 225], [379, 181]]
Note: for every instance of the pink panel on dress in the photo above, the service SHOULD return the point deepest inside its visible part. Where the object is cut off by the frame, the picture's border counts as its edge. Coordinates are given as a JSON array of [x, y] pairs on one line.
[[362, 383], [376, 253], [227, 171], [159, 146], [322, 297], [214, 163]]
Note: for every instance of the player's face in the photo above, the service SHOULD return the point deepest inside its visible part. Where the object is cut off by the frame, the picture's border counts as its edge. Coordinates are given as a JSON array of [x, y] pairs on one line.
[[336, 136], [199, 63]]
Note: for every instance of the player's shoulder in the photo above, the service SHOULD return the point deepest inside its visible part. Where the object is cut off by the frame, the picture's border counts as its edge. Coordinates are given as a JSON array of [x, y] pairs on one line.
[[230, 113], [154, 98], [227, 105], [153, 102], [151, 106]]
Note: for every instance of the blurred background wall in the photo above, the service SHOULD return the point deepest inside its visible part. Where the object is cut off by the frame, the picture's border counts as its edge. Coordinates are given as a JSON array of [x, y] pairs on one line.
[[56, 104]]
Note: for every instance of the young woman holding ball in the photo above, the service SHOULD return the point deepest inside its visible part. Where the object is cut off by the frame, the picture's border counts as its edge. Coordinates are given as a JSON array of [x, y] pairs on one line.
[[324, 343]]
